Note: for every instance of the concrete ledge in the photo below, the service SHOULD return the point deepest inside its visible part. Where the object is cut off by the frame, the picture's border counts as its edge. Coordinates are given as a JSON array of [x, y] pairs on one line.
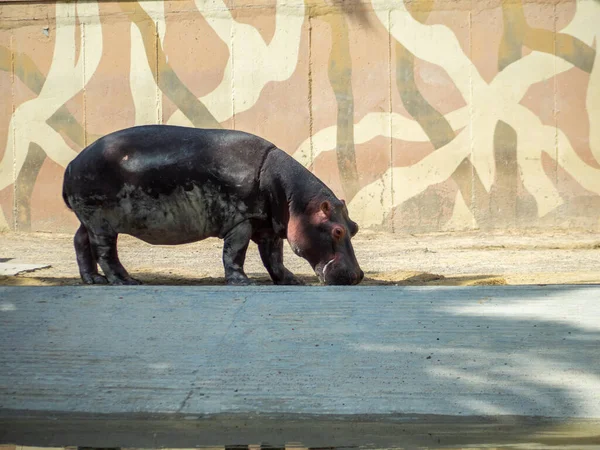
[[250, 359], [294, 431]]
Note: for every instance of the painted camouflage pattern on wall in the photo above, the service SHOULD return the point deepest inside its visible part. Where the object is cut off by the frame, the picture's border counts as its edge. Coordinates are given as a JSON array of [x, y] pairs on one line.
[[425, 115]]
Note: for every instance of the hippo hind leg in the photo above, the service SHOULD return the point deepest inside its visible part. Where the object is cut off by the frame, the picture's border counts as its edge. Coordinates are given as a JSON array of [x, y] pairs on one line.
[[88, 267], [271, 253], [104, 246], [235, 246]]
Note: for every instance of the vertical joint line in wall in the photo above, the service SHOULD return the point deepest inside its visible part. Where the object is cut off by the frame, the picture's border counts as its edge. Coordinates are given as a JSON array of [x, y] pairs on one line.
[[232, 56], [391, 167], [158, 91], [14, 130], [83, 27], [554, 101], [310, 93], [474, 223]]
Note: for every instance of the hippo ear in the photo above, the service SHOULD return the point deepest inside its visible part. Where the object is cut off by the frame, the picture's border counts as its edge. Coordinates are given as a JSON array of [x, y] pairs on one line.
[[326, 208], [343, 201]]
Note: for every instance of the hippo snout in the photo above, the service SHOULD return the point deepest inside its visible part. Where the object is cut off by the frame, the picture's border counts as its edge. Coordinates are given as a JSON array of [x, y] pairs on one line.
[[347, 278], [337, 273], [361, 275], [357, 277]]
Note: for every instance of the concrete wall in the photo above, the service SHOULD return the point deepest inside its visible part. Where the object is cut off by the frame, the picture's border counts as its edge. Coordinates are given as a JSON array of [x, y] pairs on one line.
[[424, 115]]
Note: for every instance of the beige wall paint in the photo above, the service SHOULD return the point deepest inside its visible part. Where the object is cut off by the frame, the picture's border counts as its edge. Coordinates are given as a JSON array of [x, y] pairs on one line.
[[424, 115]]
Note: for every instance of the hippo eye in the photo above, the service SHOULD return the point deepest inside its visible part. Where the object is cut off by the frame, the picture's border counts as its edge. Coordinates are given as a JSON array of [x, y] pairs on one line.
[[338, 233]]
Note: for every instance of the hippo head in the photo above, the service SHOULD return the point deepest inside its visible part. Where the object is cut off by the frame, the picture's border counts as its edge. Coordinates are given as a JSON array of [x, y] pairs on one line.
[[321, 234]]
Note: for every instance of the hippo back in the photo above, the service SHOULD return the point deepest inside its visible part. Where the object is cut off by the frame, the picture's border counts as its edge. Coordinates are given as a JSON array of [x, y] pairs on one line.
[[160, 158]]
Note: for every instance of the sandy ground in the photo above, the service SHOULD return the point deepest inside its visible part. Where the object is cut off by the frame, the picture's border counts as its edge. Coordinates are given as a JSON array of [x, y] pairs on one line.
[[469, 258]]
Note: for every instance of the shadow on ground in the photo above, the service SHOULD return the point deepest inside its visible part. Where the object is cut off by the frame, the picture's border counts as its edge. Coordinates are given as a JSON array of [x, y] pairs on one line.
[[395, 278]]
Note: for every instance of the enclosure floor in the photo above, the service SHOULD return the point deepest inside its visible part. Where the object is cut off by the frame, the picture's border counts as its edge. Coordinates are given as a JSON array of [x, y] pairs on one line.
[[469, 258]]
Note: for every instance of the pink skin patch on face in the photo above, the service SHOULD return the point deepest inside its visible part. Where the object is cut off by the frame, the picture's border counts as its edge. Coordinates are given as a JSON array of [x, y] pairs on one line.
[[294, 235]]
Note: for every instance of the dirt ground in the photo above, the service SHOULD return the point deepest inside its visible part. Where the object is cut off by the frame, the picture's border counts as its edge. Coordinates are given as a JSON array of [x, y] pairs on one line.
[[468, 258]]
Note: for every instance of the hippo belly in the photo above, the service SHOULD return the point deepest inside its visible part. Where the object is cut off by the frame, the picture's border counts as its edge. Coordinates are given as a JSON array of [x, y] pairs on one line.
[[183, 216]]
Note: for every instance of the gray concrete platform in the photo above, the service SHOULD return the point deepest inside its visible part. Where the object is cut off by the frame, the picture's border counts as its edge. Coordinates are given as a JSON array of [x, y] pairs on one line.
[[10, 269], [300, 357]]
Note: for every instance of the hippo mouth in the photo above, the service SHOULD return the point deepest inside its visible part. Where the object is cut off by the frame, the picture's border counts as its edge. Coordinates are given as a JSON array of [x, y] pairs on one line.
[[321, 271]]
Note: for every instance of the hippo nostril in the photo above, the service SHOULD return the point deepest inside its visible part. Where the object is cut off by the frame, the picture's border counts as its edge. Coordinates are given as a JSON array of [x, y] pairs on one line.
[[357, 277]]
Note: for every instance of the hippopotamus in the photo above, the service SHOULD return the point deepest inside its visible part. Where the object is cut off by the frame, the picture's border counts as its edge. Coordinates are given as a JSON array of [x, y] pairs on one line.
[[169, 185]]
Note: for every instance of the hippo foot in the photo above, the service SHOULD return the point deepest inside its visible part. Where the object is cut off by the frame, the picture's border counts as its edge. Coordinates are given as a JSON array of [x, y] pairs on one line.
[[94, 278], [240, 281], [125, 282], [290, 280]]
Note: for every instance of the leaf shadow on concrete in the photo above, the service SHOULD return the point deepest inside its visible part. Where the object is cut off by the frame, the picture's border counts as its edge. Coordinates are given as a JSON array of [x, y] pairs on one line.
[[501, 352], [550, 369]]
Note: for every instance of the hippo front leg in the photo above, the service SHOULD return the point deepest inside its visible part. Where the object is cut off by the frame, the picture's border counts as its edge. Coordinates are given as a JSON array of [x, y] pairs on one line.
[[234, 254], [271, 253]]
